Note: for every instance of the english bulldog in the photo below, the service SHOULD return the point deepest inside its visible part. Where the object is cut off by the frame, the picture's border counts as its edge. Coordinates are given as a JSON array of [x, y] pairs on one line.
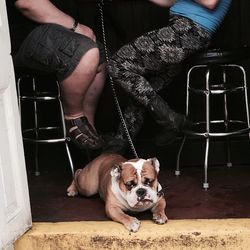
[[124, 185]]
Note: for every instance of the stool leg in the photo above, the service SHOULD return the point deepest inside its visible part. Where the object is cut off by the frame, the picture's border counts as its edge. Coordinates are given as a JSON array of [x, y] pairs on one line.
[[19, 100], [246, 97], [70, 159], [187, 91], [64, 132], [177, 170], [37, 171], [226, 122], [19, 95], [205, 183]]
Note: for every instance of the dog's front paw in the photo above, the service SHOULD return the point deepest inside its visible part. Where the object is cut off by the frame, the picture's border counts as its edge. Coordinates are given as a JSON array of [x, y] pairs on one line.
[[133, 225], [160, 218]]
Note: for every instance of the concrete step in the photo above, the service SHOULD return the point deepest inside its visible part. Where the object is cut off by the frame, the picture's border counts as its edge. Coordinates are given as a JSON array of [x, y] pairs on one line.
[[176, 234]]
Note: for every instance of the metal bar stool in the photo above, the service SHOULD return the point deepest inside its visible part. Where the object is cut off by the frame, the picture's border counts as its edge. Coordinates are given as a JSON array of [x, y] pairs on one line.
[[223, 63], [28, 91]]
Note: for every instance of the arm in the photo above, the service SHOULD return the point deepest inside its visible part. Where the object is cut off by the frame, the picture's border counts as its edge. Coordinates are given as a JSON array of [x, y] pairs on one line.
[[209, 4], [163, 3], [43, 11]]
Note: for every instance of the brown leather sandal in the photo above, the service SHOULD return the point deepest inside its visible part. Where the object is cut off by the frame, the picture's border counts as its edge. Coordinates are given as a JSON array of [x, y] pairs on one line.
[[82, 134]]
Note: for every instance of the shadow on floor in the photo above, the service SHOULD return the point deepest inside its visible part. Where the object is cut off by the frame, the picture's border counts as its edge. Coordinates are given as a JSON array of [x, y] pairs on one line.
[[228, 196]]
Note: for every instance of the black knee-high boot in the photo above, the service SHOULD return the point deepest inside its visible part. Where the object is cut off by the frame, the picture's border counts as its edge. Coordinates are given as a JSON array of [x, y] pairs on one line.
[[172, 123], [133, 118], [164, 115]]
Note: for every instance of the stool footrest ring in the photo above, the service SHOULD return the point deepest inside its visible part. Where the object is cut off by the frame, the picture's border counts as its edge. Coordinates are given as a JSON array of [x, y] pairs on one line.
[[228, 130], [42, 134]]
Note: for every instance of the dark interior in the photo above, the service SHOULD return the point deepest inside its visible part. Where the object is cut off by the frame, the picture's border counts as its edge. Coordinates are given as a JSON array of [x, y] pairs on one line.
[[227, 197], [229, 192]]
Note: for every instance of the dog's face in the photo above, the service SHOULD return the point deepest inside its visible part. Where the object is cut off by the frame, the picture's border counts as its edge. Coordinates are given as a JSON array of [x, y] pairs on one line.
[[137, 181]]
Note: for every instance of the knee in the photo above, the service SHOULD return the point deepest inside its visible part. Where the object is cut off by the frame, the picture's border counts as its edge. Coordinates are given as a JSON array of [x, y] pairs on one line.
[[102, 68], [115, 69], [90, 61]]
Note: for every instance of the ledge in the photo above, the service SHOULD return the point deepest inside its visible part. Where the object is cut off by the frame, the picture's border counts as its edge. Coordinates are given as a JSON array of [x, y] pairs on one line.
[[176, 234]]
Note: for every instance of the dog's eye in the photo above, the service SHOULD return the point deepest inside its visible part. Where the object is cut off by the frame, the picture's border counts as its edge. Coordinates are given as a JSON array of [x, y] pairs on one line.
[[129, 185], [148, 182]]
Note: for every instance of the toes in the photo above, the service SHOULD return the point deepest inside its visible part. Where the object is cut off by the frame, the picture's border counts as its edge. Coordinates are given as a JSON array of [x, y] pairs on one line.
[[134, 225], [82, 134], [160, 219]]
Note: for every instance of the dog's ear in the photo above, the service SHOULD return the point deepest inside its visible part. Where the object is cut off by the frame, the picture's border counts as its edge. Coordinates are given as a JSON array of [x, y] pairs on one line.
[[154, 161], [116, 171]]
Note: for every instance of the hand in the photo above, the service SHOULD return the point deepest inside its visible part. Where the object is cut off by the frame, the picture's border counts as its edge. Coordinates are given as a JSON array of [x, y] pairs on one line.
[[86, 31], [164, 3], [209, 4]]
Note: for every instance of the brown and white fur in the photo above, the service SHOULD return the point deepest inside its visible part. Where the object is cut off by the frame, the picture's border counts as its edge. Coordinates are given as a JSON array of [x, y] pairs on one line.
[[124, 185]]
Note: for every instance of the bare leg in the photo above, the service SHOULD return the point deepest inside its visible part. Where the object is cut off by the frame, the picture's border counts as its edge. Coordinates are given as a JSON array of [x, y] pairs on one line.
[[93, 93], [75, 87], [80, 91]]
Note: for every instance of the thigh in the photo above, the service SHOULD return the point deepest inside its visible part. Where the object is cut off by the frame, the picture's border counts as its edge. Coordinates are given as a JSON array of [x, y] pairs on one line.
[[148, 55], [53, 48], [155, 51]]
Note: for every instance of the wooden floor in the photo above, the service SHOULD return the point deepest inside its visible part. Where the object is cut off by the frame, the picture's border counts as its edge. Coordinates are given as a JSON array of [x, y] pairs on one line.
[[227, 197]]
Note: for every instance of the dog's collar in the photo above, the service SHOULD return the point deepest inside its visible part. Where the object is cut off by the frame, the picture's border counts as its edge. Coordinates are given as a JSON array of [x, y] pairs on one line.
[[160, 190]]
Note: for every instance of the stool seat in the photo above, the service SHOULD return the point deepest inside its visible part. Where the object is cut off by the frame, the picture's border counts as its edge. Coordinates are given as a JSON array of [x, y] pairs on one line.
[[22, 71], [219, 56]]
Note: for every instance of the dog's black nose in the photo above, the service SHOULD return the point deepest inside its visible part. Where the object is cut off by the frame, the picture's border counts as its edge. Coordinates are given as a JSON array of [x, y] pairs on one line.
[[141, 192]]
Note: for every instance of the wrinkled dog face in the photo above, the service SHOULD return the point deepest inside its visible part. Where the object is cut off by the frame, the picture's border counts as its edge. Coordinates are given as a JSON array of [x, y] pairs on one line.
[[138, 182]]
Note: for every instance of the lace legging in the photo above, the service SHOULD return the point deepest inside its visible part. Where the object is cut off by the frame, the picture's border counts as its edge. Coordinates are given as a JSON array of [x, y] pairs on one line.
[[149, 63]]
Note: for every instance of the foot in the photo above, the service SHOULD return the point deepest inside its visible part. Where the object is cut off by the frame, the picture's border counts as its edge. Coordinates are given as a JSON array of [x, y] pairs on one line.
[[165, 116], [160, 218], [168, 135], [133, 224], [82, 134], [179, 122]]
